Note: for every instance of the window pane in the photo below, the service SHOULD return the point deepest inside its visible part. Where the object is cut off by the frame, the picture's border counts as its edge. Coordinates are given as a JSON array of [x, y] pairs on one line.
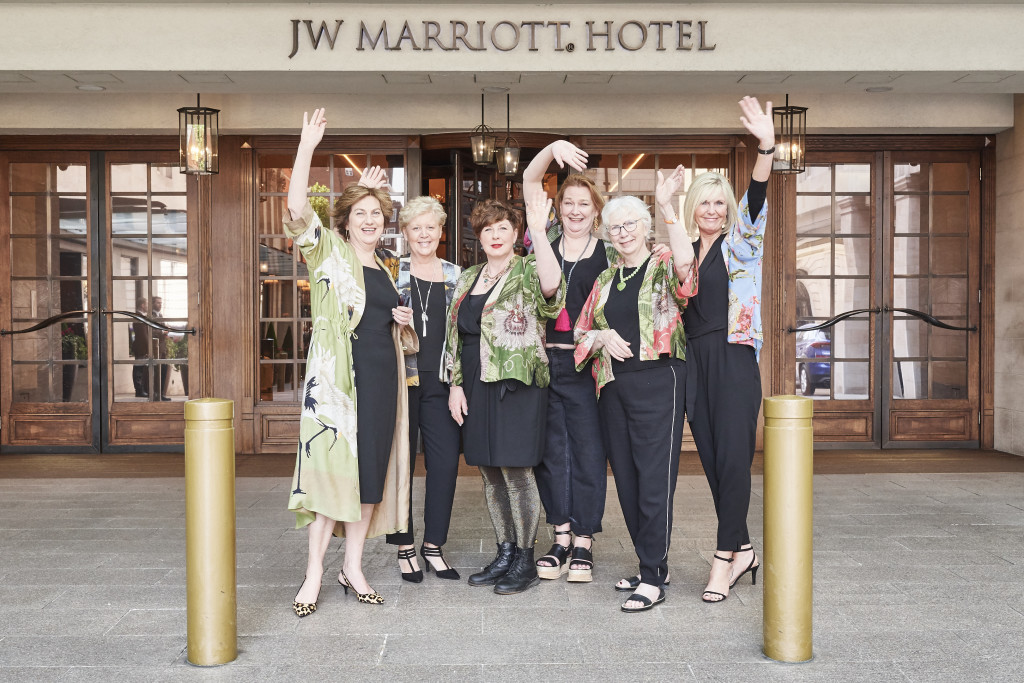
[[949, 255], [814, 256], [31, 215], [29, 257], [814, 300], [813, 215], [853, 215], [129, 214], [949, 379], [851, 294], [30, 300], [950, 215], [853, 178], [910, 177], [166, 178], [948, 343], [911, 214], [910, 293], [168, 214], [30, 383], [910, 255], [949, 298], [951, 177], [852, 256], [850, 380], [850, 339], [909, 338], [815, 179], [30, 177], [129, 256], [129, 178]]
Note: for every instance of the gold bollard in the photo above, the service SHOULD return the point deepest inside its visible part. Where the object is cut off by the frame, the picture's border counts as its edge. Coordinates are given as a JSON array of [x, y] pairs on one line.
[[788, 528], [210, 531]]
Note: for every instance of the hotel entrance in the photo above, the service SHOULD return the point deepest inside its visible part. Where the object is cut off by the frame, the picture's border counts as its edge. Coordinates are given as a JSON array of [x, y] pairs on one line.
[[95, 267]]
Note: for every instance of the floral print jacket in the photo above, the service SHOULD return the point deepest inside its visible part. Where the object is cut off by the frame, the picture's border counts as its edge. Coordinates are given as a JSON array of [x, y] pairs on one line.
[[512, 327], [743, 249], [661, 302], [404, 273]]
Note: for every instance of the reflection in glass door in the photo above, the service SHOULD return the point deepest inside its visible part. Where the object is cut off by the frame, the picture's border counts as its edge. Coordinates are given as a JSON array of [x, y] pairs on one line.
[[145, 301], [882, 339]]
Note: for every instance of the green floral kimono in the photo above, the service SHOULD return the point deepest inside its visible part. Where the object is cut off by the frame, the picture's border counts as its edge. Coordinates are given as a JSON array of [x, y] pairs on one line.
[[512, 327], [326, 476], [661, 301]]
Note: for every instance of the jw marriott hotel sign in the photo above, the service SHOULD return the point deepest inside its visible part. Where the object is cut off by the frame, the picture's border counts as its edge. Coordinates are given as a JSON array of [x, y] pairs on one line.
[[502, 36]]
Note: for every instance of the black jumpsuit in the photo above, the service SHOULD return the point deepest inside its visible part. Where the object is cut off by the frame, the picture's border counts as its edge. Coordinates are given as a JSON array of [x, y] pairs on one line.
[[723, 391]]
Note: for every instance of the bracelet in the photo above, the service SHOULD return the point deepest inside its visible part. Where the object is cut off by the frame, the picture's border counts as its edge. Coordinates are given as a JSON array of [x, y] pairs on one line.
[[670, 221], [766, 152]]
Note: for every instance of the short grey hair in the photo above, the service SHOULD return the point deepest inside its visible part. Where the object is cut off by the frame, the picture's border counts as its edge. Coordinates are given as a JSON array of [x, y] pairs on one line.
[[417, 206], [629, 205]]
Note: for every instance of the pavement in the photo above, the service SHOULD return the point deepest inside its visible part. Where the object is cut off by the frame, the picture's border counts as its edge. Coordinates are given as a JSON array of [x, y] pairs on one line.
[[917, 577]]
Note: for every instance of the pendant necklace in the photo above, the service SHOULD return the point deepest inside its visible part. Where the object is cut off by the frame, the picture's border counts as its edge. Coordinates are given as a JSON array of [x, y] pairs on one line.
[[423, 302], [562, 323], [488, 279], [623, 280]]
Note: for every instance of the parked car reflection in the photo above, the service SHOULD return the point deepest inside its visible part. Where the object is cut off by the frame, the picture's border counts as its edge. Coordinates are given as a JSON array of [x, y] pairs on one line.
[[811, 374]]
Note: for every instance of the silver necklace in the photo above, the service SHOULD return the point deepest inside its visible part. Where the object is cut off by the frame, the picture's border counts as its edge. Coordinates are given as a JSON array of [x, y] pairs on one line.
[[561, 247], [423, 302]]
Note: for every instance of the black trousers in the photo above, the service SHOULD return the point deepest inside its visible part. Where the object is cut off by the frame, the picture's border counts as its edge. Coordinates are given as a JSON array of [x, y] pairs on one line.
[[573, 476], [428, 413], [642, 422], [723, 398]]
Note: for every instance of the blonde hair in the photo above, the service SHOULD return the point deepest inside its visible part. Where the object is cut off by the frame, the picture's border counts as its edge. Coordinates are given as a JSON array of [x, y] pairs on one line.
[[353, 194], [417, 206], [580, 180], [702, 187], [625, 204]]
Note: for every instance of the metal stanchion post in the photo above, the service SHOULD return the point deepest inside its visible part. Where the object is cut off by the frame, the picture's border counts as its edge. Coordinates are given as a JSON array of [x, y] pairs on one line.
[[210, 531], [788, 528]]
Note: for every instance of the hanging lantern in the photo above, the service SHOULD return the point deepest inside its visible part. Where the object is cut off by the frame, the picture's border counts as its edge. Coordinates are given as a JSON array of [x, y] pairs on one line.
[[482, 140], [197, 140], [507, 156], [792, 141]]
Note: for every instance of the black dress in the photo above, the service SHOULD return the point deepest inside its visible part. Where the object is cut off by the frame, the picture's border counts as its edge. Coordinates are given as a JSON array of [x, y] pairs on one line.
[[376, 373], [505, 423]]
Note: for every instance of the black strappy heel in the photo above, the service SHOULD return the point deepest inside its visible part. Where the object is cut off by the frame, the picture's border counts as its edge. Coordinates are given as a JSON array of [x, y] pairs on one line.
[[409, 554], [752, 568], [722, 596]]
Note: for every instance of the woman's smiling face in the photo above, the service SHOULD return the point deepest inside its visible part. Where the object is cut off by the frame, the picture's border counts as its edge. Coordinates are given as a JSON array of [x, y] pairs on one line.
[[577, 211], [498, 239], [366, 222]]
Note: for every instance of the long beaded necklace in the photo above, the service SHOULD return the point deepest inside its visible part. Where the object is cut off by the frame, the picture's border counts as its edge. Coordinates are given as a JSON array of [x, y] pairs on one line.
[[562, 322], [623, 280], [423, 302]]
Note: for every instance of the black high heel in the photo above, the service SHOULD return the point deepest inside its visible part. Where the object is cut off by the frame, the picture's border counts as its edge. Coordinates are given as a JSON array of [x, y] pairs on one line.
[[409, 554], [304, 609], [752, 568], [372, 598], [722, 596], [447, 573]]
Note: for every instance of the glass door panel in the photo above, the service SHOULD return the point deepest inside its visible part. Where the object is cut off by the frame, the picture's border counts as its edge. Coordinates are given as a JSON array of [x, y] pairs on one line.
[[47, 370]]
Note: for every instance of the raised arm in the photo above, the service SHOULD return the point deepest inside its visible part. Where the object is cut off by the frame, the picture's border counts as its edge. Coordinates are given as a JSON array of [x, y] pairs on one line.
[[312, 133], [761, 125], [678, 240], [561, 151], [538, 206]]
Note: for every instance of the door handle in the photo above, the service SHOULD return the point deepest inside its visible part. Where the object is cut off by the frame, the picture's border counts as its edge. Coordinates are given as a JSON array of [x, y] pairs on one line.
[[49, 321], [832, 321], [150, 322], [931, 320]]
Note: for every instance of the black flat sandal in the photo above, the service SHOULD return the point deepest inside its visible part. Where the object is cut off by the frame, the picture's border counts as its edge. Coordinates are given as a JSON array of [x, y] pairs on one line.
[[558, 555], [644, 600], [583, 556]]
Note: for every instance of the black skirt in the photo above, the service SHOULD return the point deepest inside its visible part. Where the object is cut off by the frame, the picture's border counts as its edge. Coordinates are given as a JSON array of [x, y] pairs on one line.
[[506, 419], [376, 372]]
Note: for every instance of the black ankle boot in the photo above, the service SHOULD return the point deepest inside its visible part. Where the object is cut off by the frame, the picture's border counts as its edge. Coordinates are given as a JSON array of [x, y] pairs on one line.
[[521, 575], [498, 567]]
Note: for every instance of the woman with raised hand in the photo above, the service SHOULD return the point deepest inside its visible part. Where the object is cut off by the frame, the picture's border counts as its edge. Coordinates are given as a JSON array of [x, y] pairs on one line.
[[631, 330], [427, 283], [573, 474], [495, 362], [352, 470], [723, 333]]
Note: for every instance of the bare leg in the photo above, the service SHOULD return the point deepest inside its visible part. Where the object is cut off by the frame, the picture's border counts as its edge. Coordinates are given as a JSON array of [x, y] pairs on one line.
[[320, 530], [721, 577], [355, 539]]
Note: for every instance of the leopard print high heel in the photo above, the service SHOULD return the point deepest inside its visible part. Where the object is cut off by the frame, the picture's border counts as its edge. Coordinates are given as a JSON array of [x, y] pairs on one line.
[[373, 598]]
